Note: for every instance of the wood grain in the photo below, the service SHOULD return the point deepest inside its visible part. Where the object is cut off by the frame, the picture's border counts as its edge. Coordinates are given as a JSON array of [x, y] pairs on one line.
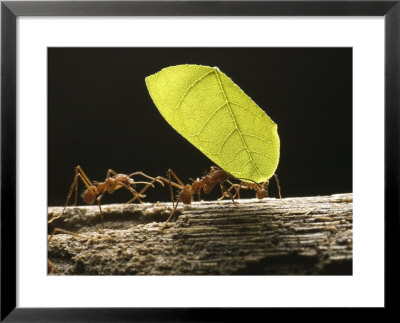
[[290, 236]]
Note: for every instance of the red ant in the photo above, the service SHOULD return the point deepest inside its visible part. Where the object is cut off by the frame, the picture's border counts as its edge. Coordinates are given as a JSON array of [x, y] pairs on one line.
[[206, 183], [113, 182], [261, 189]]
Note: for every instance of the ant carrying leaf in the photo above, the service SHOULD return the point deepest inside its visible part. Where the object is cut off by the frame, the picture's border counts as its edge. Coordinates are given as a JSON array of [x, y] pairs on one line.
[[206, 183], [208, 109]]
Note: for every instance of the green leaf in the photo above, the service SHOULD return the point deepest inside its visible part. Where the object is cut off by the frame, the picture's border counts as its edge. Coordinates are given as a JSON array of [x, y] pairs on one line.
[[217, 117]]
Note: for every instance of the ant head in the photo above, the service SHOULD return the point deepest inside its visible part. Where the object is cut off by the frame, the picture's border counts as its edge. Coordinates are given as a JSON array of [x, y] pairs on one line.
[[208, 186], [89, 195], [262, 190], [261, 193], [219, 175]]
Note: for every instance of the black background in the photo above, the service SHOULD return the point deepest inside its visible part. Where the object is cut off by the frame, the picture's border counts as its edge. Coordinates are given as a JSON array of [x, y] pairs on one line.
[[101, 116]]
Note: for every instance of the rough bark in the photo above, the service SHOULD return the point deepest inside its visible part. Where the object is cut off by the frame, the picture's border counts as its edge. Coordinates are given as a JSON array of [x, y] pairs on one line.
[[291, 236]]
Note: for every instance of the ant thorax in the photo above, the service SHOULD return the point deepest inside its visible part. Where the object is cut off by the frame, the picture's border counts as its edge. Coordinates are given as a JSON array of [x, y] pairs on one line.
[[124, 179]]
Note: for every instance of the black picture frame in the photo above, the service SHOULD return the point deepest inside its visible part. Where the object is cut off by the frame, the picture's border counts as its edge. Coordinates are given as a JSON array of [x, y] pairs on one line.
[[11, 10]]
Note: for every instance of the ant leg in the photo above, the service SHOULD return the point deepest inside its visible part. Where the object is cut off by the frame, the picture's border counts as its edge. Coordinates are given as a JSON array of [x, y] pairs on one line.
[[174, 206], [144, 189], [172, 193], [74, 187], [226, 192], [101, 211], [171, 183], [223, 191], [148, 177], [135, 194], [237, 188], [173, 211], [148, 184], [179, 185], [120, 184], [139, 195], [76, 194], [170, 171], [278, 185], [79, 173]]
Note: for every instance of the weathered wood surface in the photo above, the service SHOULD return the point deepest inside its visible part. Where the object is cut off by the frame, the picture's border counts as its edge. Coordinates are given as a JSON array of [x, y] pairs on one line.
[[291, 236]]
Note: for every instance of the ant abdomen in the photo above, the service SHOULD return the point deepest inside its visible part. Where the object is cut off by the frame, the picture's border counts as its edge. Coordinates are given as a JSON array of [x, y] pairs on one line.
[[186, 195], [89, 195]]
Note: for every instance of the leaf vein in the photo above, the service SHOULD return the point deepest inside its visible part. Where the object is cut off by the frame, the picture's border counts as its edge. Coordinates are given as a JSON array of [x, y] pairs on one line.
[[236, 124]]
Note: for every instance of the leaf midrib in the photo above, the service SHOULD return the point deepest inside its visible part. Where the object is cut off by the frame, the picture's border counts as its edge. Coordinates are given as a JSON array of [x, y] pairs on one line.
[[228, 103]]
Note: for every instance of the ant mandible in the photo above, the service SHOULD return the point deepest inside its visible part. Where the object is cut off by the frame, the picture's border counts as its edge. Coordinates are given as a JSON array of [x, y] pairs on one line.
[[206, 183], [113, 182]]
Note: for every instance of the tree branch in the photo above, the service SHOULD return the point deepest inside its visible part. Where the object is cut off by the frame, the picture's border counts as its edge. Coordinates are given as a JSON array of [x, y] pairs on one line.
[[307, 235]]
